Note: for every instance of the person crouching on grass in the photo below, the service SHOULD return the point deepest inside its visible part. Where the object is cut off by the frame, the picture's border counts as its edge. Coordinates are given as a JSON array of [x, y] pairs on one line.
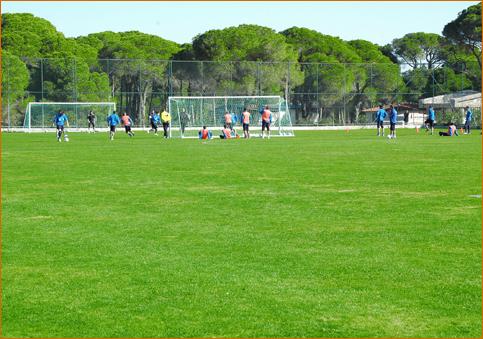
[[452, 131], [204, 134], [225, 133], [127, 122]]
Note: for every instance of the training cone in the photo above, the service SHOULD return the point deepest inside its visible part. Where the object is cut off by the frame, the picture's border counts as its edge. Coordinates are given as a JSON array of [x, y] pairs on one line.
[[417, 129], [347, 130], [461, 129]]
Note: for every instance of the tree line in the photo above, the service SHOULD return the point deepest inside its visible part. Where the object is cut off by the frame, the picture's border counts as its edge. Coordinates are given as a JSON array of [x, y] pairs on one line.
[[317, 72]]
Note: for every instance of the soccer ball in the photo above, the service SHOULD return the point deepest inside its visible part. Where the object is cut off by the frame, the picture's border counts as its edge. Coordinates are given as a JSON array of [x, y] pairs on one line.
[[389, 136], [66, 138]]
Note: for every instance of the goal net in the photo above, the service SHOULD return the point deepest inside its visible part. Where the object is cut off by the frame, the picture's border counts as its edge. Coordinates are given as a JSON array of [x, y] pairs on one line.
[[40, 115], [189, 114]]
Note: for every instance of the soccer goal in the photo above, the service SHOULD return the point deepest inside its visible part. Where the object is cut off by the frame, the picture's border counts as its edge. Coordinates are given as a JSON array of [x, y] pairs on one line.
[[189, 114], [40, 115]]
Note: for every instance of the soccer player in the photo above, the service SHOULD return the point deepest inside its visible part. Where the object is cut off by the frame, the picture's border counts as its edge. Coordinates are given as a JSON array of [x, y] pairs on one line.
[[452, 131], [228, 120], [469, 116], [246, 123], [166, 120], [60, 120], [429, 123], [184, 120], [127, 122], [266, 120], [393, 121], [91, 122], [204, 134], [154, 120], [112, 121], [380, 116], [225, 133]]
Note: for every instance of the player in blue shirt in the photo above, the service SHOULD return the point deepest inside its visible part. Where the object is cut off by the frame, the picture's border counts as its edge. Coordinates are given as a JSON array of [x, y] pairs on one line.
[[393, 121], [113, 120], [469, 116], [60, 120], [429, 123], [380, 116], [154, 119]]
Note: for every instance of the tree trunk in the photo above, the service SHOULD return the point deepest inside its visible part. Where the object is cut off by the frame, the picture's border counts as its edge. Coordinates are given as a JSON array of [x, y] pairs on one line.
[[142, 103]]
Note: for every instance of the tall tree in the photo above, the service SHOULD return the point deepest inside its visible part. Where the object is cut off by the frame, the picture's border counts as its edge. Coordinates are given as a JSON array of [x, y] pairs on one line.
[[138, 66], [465, 31], [15, 79], [419, 49], [233, 48]]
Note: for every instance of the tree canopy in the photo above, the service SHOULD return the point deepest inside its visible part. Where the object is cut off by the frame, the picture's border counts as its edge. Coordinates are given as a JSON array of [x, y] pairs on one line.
[[320, 74]]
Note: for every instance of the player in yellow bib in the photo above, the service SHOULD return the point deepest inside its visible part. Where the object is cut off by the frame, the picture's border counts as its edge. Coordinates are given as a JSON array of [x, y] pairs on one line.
[[166, 120]]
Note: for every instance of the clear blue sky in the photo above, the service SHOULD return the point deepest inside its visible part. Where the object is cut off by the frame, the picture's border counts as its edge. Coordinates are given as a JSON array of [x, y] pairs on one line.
[[379, 22]]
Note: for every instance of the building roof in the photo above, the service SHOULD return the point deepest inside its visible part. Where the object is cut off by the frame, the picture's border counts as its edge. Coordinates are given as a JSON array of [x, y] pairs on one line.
[[399, 107], [453, 100]]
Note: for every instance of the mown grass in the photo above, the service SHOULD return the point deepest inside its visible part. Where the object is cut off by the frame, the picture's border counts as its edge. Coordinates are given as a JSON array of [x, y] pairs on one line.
[[328, 234]]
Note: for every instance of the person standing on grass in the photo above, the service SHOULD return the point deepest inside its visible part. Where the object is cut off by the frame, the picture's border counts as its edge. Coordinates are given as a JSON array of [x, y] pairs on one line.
[[127, 122], [393, 121], [429, 123], [184, 120], [469, 116], [166, 120], [380, 116], [91, 122], [228, 120], [246, 123], [60, 120], [112, 121], [266, 120]]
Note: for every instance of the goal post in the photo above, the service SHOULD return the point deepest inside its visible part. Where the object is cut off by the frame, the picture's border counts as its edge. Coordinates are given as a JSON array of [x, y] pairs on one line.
[[190, 114], [40, 115]]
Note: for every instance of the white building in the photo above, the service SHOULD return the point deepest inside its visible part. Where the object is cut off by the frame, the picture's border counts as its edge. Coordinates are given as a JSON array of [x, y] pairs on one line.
[[453, 101]]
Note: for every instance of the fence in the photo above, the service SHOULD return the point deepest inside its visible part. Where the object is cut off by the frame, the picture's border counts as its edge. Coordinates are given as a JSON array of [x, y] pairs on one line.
[[317, 93]]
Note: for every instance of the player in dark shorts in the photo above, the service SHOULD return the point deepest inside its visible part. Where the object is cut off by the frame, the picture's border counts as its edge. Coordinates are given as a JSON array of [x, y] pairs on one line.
[[266, 120], [91, 122], [393, 121], [112, 121], [380, 116], [246, 123], [127, 122], [429, 123], [60, 120]]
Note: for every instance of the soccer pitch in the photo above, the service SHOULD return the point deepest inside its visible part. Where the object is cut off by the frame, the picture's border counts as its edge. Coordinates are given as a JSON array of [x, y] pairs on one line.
[[328, 234]]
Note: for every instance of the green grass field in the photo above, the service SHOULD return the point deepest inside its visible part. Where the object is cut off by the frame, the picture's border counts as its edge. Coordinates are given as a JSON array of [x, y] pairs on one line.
[[328, 234]]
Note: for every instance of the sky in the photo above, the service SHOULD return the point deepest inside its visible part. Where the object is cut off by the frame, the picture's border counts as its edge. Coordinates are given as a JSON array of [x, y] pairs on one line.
[[378, 22]]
